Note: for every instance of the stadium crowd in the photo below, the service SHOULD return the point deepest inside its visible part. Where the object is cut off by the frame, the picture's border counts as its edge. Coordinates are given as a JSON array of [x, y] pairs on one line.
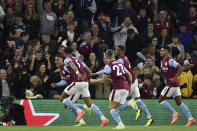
[[33, 32]]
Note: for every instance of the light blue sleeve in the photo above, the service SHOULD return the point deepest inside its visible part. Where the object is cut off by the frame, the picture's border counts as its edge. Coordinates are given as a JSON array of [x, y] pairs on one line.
[[125, 70], [100, 72], [120, 61], [107, 70], [67, 61], [173, 63], [66, 69], [84, 65], [61, 83]]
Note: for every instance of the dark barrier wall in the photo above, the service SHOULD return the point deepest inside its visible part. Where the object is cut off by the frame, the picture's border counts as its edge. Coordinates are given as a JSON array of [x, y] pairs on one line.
[[51, 112]]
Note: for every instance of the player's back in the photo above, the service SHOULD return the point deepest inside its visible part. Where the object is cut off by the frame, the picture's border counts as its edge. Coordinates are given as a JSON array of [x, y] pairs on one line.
[[118, 75], [169, 71], [80, 65], [127, 65]]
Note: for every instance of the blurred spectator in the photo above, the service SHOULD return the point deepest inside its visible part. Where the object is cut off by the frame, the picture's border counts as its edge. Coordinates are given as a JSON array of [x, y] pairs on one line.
[[84, 12], [48, 18], [191, 19], [153, 9], [42, 73], [99, 49], [70, 34], [48, 45], [164, 38], [141, 57], [21, 78], [75, 51], [142, 20], [36, 90], [19, 26], [60, 7], [6, 85], [176, 43], [192, 43], [186, 79], [123, 9], [86, 46], [133, 45], [37, 60], [9, 20], [147, 34], [185, 36], [163, 22], [120, 37], [194, 60], [149, 90], [31, 18]]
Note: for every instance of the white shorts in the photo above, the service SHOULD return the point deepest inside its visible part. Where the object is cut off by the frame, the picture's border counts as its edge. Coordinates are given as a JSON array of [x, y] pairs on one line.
[[171, 91], [78, 87], [74, 97], [119, 95], [134, 90]]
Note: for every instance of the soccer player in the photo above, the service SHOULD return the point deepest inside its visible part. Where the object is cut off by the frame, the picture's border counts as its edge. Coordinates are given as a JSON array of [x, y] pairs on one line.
[[135, 93], [171, 70], [79, 83], [59, 61], [120, 77]]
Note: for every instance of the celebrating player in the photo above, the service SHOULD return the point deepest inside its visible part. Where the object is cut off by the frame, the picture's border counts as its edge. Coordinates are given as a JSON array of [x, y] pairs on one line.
[[59, 61], [78, 82], [120, 77], [119, 52], [171, 70]]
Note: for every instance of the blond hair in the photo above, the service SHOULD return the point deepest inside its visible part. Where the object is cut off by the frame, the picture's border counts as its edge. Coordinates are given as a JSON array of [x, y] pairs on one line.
[[35, 79], [109, 54]]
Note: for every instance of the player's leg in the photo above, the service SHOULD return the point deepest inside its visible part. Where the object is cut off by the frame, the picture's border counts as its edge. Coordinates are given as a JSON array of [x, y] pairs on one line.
[[117, 97], [86, 96], [167, 92], [183, 107], [74, 99], [70, 90]]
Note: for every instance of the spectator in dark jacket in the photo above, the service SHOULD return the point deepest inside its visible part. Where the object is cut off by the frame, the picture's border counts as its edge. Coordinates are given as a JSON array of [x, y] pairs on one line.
[[133, 45]]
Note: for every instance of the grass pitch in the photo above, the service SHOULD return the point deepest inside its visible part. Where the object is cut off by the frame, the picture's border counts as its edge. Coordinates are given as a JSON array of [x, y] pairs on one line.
[[96, 128]]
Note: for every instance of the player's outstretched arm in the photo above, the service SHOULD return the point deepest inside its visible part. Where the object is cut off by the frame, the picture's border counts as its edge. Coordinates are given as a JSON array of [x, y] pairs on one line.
[[101, 80], [129, 76]]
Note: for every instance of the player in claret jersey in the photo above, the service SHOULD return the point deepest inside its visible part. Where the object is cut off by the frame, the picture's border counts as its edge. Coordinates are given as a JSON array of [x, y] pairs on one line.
[[59, 61], [135, 93], [120, 77], [171, 70], [78, 83]]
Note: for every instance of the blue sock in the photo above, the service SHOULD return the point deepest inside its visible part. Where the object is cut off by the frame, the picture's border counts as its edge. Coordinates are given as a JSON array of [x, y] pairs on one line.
[[142, 106], [70, 104], [97, 111], [80, 105], [74, 113], [116, 116], [185, 110], [166, 105], [123, 106]]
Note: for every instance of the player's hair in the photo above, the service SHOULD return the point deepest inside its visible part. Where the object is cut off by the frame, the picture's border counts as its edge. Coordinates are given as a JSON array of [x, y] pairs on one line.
[[109, 54], [68, 50], [167, 48], [122, 48]]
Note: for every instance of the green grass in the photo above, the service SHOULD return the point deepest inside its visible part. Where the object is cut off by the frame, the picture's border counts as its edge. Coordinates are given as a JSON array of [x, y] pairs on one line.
[[96, 128]]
